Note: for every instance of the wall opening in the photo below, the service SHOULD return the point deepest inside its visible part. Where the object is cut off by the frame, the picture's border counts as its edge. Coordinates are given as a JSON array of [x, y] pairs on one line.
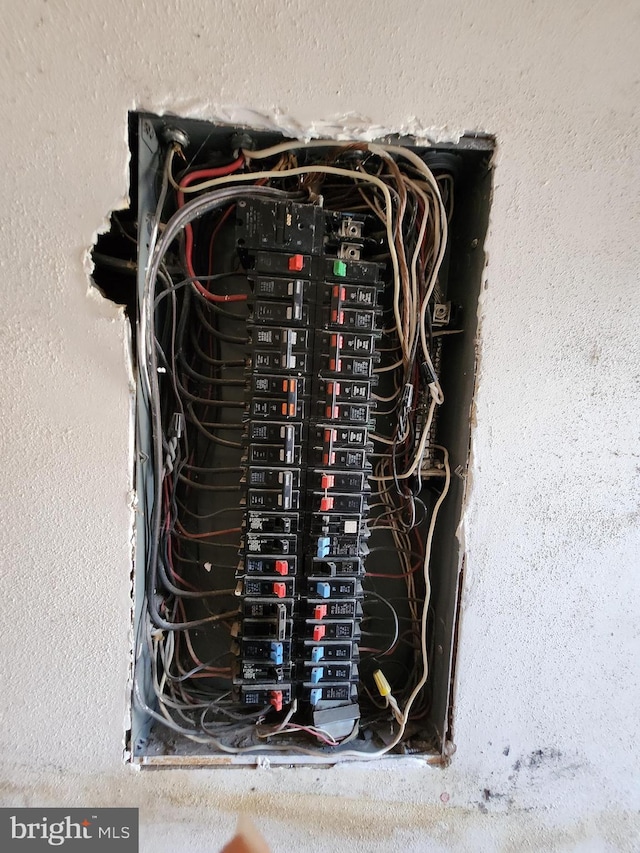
[[305, 316]]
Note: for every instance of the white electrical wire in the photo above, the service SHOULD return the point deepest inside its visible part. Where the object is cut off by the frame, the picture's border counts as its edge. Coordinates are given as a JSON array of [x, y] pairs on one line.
[[423, 633], [420, 451], [415, 323]]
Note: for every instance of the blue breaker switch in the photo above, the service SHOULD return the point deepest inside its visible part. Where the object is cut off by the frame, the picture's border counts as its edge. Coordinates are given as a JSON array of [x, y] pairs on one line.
[[276, 653], [316, 674], [323, 589], [324, 543], [317, 653], [315, 695]]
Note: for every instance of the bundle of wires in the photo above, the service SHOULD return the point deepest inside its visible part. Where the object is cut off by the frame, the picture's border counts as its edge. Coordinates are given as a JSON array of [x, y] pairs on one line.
[[192, 361]]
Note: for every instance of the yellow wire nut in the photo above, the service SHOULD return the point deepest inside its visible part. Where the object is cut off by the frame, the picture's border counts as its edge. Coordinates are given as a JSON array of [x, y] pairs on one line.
[[384, 688]]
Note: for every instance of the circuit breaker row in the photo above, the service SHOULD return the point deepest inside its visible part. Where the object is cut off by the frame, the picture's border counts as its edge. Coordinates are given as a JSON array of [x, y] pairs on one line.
[[309, 411]]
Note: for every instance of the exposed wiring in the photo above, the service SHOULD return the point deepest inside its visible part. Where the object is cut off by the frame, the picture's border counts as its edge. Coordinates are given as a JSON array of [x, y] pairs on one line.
[[192, 353]]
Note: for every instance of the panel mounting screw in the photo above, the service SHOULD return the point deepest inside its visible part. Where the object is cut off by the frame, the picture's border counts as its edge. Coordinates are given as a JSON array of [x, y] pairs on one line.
[[176, 136]]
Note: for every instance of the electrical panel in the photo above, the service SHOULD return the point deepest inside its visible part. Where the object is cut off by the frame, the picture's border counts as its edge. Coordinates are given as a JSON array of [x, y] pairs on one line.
[[296, 460]]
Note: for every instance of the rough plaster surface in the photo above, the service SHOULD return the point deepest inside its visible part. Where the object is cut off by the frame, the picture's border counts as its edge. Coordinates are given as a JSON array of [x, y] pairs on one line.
[[547, 721]]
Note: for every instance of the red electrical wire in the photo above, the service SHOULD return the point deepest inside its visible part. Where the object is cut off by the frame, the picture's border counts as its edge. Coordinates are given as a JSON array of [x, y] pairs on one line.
[[188, 535], [188, 230], [167, 525], [394, 576], [216, 230]]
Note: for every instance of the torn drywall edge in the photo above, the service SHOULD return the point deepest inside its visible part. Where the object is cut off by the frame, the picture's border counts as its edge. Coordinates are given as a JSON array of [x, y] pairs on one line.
[[342, 127], [122, 202], [468, 506], [114, 312], [133, 508]]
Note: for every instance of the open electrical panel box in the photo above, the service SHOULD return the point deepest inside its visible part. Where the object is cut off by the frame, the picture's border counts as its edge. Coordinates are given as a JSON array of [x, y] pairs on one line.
[[305, 338]]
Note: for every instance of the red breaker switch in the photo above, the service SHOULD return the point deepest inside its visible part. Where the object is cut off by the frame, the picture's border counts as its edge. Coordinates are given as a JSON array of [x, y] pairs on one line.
[[296, 263], [275, 699], [318, 632], [327, 481], [280, 589], [326, 504], [328, 456], [338, 295], [320, 611], [282, 567]]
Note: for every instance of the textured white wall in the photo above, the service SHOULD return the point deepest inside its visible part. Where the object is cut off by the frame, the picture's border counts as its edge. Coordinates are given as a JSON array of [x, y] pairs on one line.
[[547, 719]]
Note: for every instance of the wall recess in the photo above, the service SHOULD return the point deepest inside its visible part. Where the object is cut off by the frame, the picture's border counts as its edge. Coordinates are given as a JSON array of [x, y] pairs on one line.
[[305, 318]]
